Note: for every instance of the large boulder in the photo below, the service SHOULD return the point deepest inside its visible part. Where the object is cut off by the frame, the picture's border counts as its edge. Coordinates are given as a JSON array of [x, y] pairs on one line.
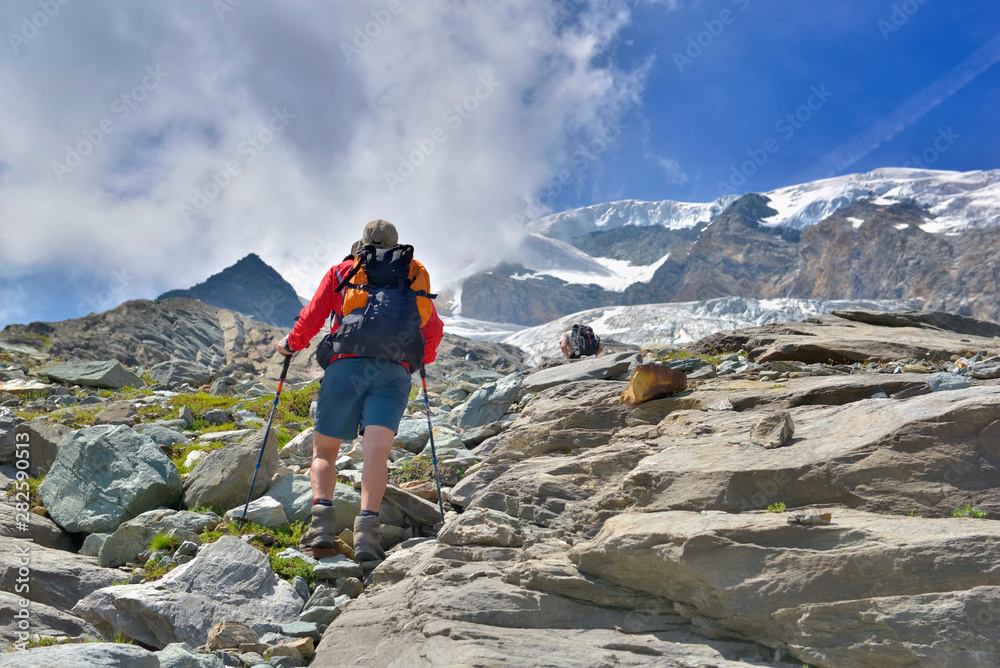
[[43, 439], [229, 580], [85, 655], [57, 578], [491, 401], [106, 475], [588, 368], [815, 588], [9, 422], [163, 436], [110, 375], [133, 536], [174, 373], [265, 511], [222, 478]]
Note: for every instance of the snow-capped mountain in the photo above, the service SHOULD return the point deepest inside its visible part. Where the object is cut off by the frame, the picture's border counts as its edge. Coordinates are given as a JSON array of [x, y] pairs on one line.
[[887, 234], [954, 200]]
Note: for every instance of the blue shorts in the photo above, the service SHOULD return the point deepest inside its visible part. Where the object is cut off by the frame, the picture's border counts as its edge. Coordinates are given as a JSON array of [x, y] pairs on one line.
[[360, 391]]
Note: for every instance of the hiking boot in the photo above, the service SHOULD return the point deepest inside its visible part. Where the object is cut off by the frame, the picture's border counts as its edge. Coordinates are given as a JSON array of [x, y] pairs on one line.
[[367, 546], [322, 531]]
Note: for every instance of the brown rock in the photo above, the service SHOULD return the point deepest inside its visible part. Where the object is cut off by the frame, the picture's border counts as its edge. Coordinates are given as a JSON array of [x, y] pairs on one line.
[[231, 635], [120, 412], [653, 381], [425, 489], [774, 430]]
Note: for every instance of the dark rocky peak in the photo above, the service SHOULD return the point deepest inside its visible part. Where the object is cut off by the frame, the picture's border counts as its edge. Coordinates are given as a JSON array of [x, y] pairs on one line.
[[251, 287], [748, 210]]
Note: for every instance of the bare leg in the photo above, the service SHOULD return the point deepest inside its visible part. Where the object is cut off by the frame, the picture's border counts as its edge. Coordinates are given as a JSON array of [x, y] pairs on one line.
[[376, 445], [323, 474]]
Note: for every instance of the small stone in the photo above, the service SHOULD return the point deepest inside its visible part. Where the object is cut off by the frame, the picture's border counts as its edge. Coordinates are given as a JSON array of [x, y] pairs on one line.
[[217, 416], [301, 630], [301, 587], [773, 431], [230, 635], [351, 587], [942, 382], [320, 615]]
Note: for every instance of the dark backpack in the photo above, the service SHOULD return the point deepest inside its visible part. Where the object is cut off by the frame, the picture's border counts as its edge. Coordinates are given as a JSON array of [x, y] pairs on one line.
[[388, 327], [583, 341]]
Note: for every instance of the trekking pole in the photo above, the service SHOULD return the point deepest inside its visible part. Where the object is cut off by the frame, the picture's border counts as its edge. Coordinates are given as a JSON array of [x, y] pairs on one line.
[[267, 432], [430, 431]]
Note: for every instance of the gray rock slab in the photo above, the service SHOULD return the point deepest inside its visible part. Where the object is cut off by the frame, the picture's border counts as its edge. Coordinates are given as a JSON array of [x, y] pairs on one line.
[[57, 578], [162, 436], [420, 510], [177, 372], [106, 475], [930, 453], [43, 439], [41, 530], [222, 478], [301, 445], [110, 375], [182, 655], [265, 511], [491, 401], [229, 580], [133, 536], [750, 565], [85, 655], [294, 493], [589, 368], [9, 422], [43, 619]]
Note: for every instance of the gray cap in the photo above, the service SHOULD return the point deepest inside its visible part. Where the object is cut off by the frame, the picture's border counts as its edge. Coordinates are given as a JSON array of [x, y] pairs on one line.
[[380, 233]]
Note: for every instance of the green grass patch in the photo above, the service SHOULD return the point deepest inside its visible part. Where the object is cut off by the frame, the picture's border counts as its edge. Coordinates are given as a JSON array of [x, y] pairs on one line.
[[163, 541], [969, 511], [288, 567], [156, 570], [15, 488], [775, 387], [778, 507], [202, 402]]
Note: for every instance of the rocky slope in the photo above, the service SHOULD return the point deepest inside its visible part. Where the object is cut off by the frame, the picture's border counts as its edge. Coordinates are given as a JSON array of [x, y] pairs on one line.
[[145, 333], [251, 287], [686, 531]]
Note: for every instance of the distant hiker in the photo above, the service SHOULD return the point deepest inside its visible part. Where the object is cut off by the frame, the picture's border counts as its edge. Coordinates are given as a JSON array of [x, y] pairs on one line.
[[384, 326], [580, 341]]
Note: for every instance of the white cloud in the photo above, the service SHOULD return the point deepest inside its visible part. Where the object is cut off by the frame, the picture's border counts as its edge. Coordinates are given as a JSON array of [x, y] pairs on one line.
[[490, 98]]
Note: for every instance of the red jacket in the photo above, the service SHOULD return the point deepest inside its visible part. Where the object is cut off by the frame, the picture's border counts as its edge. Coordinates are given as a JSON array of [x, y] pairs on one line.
[[327, 300]]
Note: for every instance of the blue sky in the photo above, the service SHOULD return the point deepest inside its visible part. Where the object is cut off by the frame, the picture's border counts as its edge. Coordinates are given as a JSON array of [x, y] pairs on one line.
[[281, 128], [701, 117]]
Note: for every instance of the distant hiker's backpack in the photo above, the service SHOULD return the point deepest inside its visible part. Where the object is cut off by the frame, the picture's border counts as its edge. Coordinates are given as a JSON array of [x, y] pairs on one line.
[[387, 325], [583, 341]]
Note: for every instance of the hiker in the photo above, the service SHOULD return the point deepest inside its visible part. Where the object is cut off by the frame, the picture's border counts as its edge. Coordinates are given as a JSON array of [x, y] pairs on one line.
[[580, 341], [368, 361]]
